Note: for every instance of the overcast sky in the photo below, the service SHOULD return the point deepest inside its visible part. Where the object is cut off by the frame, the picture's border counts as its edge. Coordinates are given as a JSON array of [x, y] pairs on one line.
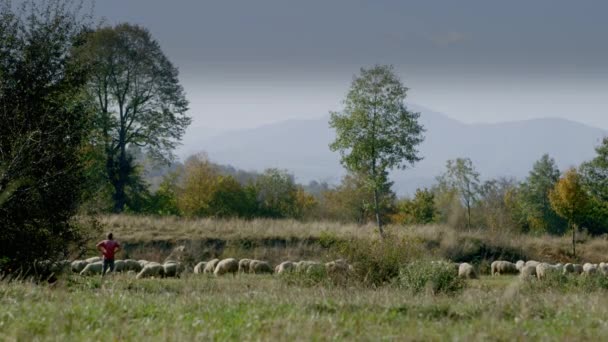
[[248, 63]]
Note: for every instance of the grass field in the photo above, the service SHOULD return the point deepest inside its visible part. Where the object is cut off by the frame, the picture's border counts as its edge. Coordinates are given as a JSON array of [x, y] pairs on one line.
[[255, 307]]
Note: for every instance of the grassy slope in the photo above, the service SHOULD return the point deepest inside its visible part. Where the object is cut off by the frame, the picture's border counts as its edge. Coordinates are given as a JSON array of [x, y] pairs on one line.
[[439, 241], [251, 307]]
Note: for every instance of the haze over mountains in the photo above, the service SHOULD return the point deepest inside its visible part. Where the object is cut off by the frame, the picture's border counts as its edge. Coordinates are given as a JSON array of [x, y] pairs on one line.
[[497, 149]]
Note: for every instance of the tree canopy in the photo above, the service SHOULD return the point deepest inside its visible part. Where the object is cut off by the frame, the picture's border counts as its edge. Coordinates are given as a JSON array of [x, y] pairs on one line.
[[375, 132]]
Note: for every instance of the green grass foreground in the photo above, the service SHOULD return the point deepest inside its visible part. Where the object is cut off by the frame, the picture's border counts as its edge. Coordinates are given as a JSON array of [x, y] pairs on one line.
[[252, 307]]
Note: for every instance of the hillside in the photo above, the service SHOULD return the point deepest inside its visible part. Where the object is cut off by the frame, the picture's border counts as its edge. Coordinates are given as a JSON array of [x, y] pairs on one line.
[[500, 149]]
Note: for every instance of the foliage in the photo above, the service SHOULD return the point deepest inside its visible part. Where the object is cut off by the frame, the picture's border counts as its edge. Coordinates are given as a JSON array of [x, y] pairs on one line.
[[351, 201], [594, 173], [437, 277], [570, 200], [493, 205], [277, 194], [418, 210], [45, 123], [375, 132], [536, 211], [139, 100], [460, 176]]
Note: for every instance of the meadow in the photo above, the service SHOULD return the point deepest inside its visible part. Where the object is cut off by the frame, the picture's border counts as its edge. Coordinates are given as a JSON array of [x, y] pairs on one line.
[[379, 303], [253, 307]]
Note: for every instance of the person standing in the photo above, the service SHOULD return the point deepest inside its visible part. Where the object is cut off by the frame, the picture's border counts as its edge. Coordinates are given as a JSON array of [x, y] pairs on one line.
[[108, 248]]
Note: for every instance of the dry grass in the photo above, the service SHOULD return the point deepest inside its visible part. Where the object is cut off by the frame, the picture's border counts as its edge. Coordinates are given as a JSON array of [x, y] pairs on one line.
[[296, 239]]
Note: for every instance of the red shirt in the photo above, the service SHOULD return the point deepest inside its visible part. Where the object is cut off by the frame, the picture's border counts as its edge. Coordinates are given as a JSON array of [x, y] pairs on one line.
[[109, 247]]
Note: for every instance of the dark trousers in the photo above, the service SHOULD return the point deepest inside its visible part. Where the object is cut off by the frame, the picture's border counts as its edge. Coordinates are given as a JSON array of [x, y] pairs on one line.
[[108, 264]]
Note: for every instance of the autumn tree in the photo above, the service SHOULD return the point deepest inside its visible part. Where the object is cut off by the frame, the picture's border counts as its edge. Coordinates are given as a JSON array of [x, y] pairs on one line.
[[197, 186], [139, 101], [570, 201], [375, 132], [461, 176]]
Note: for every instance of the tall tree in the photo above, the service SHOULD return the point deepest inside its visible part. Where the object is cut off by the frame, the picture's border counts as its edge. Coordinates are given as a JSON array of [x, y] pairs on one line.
[[375, 132], [570, 201], [44, 123], [139, 100], [461, 176], [595, 173], [534, 197]]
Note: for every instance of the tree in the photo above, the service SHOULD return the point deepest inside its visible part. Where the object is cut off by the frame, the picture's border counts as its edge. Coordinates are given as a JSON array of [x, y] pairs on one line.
[[595, 173], [138, 97], [493, 204], [461, 176], [375, 132], [197, 186], [276, 194], [534, 196], [45, 122], [418, 210], [570, 201]]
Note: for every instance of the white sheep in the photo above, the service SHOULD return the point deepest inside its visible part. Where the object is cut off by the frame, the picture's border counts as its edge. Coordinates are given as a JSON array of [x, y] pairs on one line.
[[568, 268], [132, 265], [244, 265], [520, 264], [533, 263], [466, 270], [603, 268], [543, 269], [143, 263], [308, 266], [503, 267], [225, 266], [210, 266], [78, 265], [528, 271], [590, 268], [172, 269], [259, 266], [92, 268], [152, 269], [200, 267], [285, 266], [339, 266], [93, 259]]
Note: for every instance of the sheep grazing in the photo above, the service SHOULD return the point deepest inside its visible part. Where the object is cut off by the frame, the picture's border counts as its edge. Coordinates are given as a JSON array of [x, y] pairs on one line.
[[466, 270], [200, 267], [244, 265], [543, 269], [339, 266], [309, 266], [532, 263], [519, 265], [285, 266], [152, 269], [173, 269], [210, 267], [92, 268], [132, 265], [259, 267], [603, 268], [119, 266], [528, 271], [568, 268], [503, 267], [78, 265], [578, 268], [93, 259], [226, 266], [590, 268]]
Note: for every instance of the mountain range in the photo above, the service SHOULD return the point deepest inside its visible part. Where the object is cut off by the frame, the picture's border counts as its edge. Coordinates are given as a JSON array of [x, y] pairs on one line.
[[496, 149]]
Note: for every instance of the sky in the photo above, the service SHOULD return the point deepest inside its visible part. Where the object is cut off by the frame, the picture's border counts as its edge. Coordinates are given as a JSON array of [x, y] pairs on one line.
[[250, 63]]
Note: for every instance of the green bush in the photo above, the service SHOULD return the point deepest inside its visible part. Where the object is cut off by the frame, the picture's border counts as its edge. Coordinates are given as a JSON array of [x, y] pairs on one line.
[[436, 277], [377, 262]]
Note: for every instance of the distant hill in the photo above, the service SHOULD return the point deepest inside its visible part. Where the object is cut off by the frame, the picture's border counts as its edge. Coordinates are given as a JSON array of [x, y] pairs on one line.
[[501, 149]]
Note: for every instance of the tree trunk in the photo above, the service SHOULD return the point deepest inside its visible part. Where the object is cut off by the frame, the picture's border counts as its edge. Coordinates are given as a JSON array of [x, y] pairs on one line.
[[573, 240], [119, 181], [377, 211]]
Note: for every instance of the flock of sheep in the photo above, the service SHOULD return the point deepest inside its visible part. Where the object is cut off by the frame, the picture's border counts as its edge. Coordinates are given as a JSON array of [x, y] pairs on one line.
[[217, 267], [533, 269]]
